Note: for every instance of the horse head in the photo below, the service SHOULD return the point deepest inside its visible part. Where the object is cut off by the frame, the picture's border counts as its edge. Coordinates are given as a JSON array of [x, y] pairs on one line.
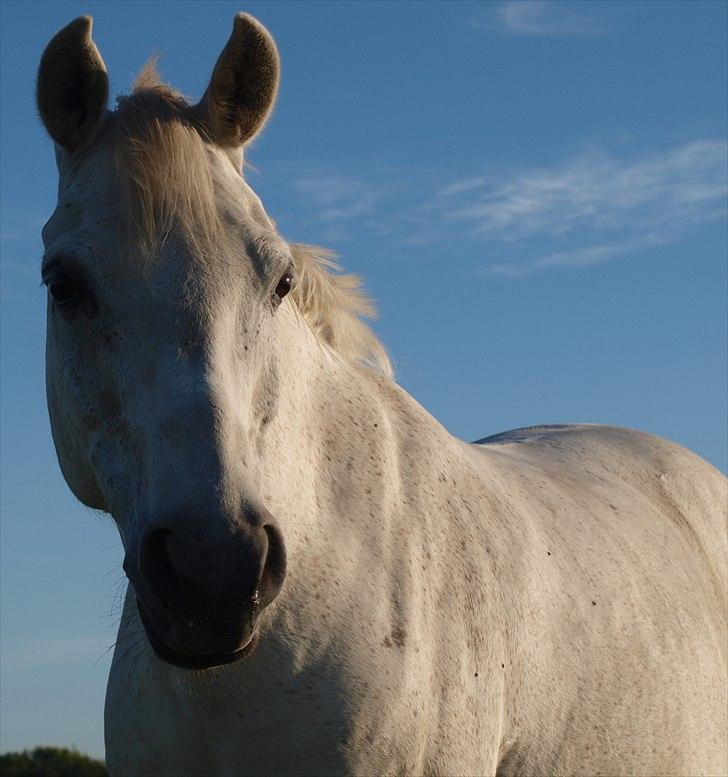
[[167, 327]]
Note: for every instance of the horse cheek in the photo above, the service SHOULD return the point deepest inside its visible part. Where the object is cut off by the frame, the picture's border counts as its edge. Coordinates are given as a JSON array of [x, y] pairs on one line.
[[70, 435]]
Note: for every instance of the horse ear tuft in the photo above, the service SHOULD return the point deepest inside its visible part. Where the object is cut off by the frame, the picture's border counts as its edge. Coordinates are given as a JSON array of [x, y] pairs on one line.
[[73, 86], [243, 86]]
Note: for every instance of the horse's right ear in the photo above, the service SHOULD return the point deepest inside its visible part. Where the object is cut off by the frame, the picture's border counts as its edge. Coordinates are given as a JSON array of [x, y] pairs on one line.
[[73, 86], [243, 86]]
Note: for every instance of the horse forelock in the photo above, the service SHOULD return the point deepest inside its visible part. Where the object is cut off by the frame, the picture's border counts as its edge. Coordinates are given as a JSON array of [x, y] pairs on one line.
[[164, 183], [162, 174]]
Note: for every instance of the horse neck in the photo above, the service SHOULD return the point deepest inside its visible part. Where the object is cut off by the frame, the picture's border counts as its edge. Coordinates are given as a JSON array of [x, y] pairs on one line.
[[356, 448], [384, 507]]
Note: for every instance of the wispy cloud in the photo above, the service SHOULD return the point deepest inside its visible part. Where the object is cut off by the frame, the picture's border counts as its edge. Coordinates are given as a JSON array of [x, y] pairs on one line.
[[334, 202], [541, 17], [466, 185], [580, 257], [585, 210], [335, 197], [617, 206]]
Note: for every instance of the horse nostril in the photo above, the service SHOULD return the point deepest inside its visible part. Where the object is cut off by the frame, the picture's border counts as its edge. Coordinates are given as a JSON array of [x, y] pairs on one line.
[[156, 567], [274, 569]]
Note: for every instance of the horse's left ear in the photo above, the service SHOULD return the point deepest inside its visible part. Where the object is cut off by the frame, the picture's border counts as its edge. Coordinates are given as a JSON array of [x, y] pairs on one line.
[[243, 86]]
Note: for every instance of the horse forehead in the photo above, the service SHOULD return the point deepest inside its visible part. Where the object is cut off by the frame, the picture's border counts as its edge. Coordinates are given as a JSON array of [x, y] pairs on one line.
[[86, 213], [85, 195], [84, 179]]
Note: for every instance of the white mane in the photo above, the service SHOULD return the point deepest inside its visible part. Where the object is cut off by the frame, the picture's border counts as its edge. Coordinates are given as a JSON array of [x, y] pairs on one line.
[[164, 180]]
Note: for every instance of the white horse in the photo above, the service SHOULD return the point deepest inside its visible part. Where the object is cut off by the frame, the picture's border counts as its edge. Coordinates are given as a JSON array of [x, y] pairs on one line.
[[322, 580]]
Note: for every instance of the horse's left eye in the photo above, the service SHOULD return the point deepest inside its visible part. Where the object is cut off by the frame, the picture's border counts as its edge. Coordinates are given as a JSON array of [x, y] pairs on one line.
[[283, 287]]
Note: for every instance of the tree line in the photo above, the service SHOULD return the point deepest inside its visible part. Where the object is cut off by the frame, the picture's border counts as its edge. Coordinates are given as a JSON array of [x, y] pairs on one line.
[[50, 762]]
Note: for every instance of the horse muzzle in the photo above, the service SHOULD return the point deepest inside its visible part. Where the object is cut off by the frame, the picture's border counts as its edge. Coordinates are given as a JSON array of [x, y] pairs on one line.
[[200, 598]]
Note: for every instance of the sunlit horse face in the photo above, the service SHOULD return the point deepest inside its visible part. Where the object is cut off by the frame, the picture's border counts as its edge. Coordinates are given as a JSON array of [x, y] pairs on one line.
[[166, 282]]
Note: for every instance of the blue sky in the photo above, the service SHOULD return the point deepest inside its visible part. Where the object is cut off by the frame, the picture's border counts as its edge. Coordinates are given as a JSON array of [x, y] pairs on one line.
[[534, 192]]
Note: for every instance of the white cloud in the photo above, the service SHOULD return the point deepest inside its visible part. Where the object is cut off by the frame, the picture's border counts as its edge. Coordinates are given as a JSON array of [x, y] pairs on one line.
[[542, 17], [334, 197], [578, 257], [594, 207], [466, 185], [585, 210]]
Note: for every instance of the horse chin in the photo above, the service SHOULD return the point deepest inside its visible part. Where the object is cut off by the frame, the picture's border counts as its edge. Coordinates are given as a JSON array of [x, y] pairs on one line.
[[195, 661]]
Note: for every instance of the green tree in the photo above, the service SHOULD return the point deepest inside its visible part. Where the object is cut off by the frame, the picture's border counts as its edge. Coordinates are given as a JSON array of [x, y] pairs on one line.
[[50, 762]]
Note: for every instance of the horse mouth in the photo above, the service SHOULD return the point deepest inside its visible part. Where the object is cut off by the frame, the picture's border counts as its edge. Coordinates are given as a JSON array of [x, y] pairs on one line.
[[195, 661]]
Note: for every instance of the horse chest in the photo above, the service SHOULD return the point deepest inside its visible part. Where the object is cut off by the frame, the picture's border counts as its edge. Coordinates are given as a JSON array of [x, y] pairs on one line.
[[312, 723]]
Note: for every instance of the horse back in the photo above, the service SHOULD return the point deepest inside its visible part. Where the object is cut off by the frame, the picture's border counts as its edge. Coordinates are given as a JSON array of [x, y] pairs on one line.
[[689, 495], [619, 651]]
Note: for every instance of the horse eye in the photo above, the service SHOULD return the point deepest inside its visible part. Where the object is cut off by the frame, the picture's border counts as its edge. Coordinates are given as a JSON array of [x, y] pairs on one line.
[[63, 290], [284, 286]]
